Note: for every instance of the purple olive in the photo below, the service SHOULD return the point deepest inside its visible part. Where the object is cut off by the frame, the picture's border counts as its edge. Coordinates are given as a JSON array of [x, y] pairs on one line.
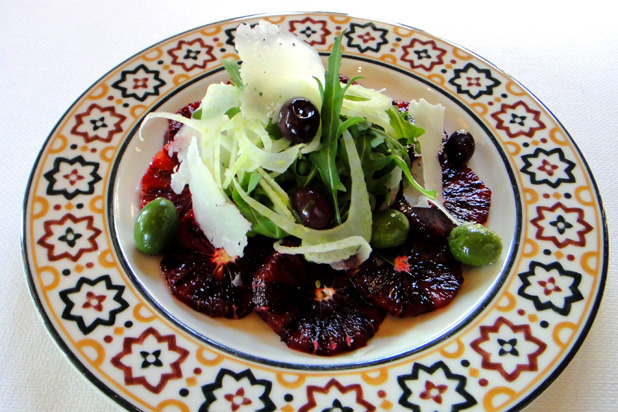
[[313, 208], [459, 147], [299, 120]]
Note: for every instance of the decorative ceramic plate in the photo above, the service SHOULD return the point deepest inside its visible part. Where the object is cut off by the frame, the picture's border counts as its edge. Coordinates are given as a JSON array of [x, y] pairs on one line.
[[510, 331]]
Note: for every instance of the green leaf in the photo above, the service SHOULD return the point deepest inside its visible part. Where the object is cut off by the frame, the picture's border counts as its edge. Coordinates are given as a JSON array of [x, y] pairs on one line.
[[254, 179], [431, 194], [356, 98], [405, 130], [259, 224], [233, 69], [352, 80], [380, 153], [376, 167], [332, 98], [197, 114], [232, 112], [332, 245], [320, 86], [352, 121]]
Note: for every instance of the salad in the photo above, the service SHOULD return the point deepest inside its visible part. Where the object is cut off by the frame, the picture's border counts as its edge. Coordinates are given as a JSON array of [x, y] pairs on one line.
[[296, 193]]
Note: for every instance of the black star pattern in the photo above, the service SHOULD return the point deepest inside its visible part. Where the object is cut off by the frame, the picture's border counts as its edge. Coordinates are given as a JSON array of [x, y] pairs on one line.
[[463, 79], [70, 237], [459, 386], [55, 179], [192, 54], [517, 119], [337, 406], [361, 32], [98, 123], [527, 279], [211, 389], [308, 31], [151, 359], [128, 89], [110, 317], [561, 224], [508, 347], [553, 179], [422, 54]]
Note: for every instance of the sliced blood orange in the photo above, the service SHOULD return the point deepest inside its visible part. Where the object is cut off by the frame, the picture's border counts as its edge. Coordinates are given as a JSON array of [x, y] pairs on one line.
[[313, 308], [465, 195], [417, 277], [175, 126], [157, 180], [206, 278]]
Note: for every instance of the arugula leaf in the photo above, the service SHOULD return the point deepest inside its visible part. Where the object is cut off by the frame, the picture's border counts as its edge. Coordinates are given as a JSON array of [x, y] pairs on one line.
[[404, 129], [232, 112], [352, 121], [431, 194], [355, 98], [252, 181], [233, 69], [376, 167], [197, 114], [399, 154], [380, 153], [332, 98]]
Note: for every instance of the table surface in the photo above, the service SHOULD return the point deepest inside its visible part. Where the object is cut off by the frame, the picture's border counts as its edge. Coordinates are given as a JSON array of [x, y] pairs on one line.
[[50, 54]]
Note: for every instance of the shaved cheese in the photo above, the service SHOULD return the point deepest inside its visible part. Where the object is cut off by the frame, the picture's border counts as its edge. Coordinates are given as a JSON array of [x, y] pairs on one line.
[[276, 66], [220, 220], [430, 117]]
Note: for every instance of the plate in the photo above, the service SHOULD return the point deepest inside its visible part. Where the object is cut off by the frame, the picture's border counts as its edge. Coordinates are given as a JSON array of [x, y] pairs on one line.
[[513, 327]]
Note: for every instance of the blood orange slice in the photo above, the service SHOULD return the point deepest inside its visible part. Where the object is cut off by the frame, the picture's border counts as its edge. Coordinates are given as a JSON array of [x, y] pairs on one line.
[[417, 277], [157, 179], [313, 308], [465, 195], [206, 278], [175, 126]]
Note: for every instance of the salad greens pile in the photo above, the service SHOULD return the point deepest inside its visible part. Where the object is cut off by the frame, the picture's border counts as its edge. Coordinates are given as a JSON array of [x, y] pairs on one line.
[[242, 171]]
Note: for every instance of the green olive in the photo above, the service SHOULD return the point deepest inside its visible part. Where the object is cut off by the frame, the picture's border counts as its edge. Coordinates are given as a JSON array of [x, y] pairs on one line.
[[155, 226], [474, 244], [390, 228]]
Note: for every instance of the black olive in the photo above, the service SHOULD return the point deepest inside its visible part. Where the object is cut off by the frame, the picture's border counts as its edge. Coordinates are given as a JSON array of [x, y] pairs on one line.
[[299, 120], [459, 147], [313, 207]]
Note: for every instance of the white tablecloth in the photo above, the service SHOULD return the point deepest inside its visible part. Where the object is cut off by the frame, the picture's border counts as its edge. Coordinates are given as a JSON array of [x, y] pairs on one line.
[[50, 52]]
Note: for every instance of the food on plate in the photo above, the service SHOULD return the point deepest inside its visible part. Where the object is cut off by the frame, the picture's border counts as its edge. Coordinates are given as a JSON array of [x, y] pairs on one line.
[[389, 228], [474, 244], [208, 279], [417, 277], [155, 226], [311, 200], [459, 147], [313, 307]]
